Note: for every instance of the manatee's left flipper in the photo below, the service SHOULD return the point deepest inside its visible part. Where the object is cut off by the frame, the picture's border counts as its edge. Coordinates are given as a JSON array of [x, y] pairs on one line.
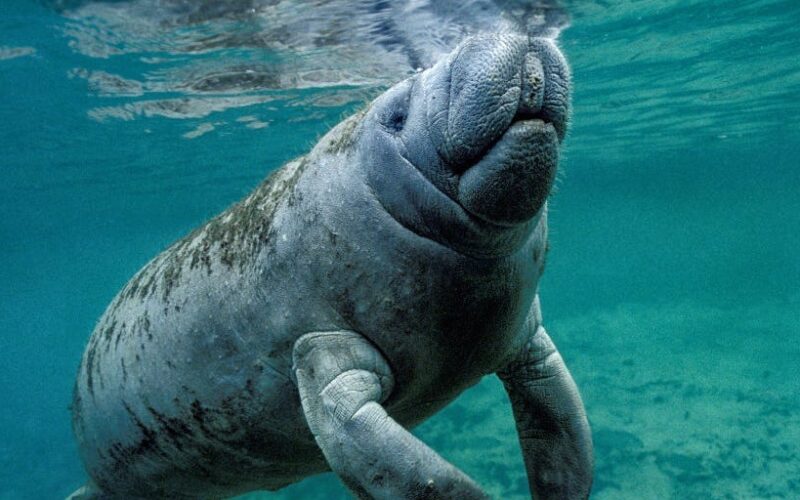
[[551, 421], [343, 379]]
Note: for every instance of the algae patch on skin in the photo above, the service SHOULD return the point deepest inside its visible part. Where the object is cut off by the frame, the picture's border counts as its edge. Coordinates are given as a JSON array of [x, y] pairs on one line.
[[344, 135]]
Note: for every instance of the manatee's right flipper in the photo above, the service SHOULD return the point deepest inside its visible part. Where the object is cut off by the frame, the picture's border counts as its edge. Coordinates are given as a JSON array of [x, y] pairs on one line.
[[343, 379]]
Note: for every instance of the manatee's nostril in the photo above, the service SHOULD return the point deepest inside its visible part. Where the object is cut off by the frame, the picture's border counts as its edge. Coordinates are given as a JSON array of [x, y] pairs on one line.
[[555, 91], [532, 95]]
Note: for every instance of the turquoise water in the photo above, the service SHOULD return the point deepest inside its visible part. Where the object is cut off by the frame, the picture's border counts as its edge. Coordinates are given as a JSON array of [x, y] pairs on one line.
[[673, 281]]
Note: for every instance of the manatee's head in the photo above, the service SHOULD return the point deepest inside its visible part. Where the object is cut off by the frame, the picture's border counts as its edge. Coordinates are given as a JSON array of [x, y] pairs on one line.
[[466, 152]]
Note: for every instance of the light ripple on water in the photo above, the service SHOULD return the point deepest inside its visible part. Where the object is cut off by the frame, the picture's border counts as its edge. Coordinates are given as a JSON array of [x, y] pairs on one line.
[[682, 74], [234, 48], [14, 52]]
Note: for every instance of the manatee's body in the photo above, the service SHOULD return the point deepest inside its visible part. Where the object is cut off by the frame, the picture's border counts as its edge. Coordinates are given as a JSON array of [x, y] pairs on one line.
[[188, 387]]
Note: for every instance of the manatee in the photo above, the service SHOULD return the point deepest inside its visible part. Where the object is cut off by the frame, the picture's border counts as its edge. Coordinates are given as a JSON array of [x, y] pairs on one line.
[[352, 295]]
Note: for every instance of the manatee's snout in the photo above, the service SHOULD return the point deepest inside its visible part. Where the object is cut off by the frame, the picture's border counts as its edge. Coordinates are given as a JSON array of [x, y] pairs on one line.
[[497, 110], [488, 82]]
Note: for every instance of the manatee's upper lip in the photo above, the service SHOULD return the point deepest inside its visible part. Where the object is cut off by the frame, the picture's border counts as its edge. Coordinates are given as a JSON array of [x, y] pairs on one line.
[[519, 117], [533, 119]]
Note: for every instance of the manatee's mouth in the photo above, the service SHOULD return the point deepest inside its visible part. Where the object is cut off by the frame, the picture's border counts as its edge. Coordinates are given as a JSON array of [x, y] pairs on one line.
[[538, 117], [510, 182], [539, 123], [549, 132], [517, 123]]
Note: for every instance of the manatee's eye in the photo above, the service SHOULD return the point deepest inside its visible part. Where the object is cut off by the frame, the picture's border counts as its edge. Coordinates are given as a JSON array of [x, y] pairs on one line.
[[397, 120], [394, 107]]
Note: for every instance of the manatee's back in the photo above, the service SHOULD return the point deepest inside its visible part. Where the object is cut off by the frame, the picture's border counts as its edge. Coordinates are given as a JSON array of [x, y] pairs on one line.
[[178, 385]]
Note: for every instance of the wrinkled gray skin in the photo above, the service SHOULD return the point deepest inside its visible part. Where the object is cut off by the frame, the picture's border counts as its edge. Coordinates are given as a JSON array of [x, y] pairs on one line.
[[348, 298]]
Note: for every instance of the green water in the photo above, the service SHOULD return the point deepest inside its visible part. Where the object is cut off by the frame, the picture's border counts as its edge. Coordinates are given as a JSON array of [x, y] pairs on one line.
[[673, 280]]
